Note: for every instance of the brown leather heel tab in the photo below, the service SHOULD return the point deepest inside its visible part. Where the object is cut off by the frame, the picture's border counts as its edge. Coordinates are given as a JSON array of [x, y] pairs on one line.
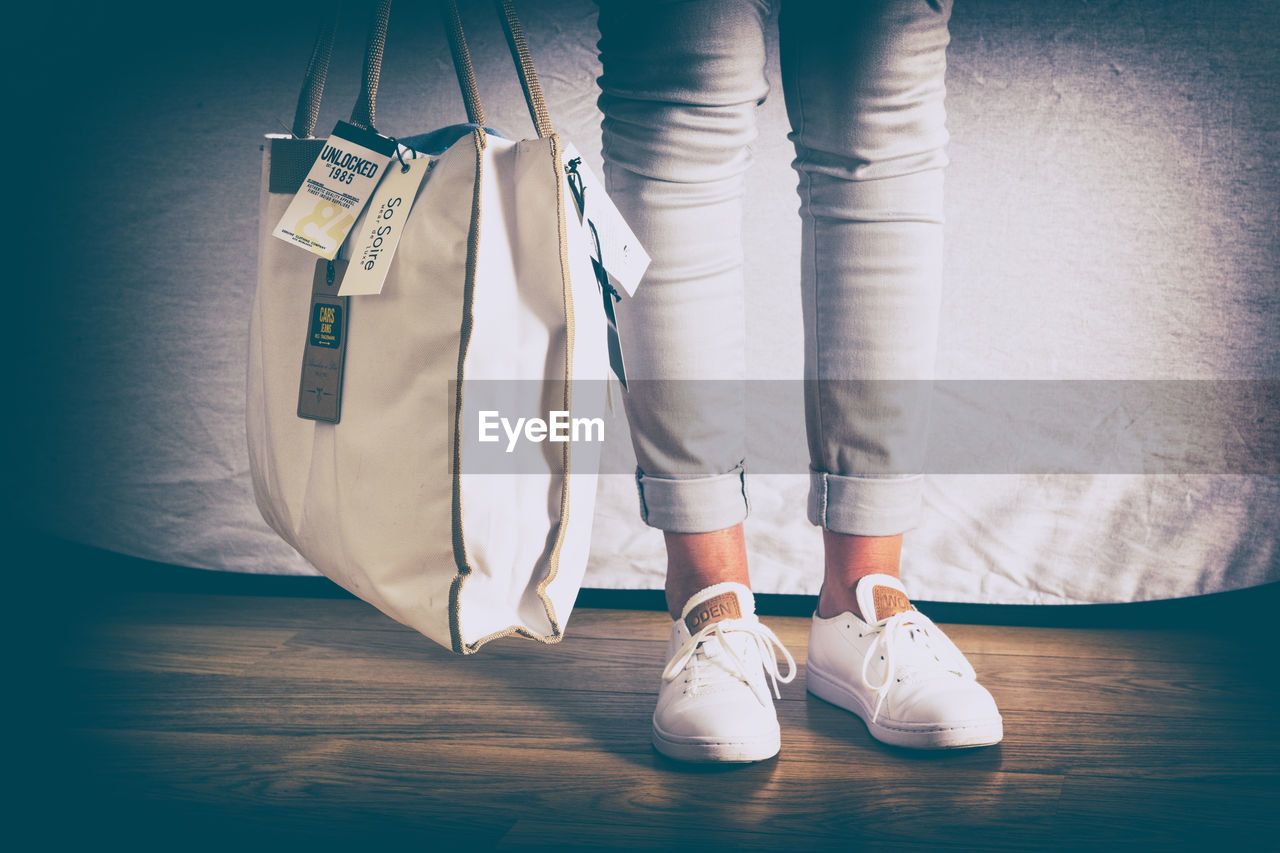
[[722, 606], [889, 601]]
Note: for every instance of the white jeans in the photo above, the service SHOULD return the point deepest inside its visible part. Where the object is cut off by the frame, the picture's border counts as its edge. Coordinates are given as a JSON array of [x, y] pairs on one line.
[[864, 84]]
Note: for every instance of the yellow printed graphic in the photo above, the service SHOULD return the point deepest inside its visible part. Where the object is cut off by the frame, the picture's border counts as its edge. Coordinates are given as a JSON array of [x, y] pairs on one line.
[[324, 213]]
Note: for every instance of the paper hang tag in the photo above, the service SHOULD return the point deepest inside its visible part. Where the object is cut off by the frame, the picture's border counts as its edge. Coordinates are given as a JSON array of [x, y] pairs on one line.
[[335, 191], [320, 389], [621, 254], [378, 232]]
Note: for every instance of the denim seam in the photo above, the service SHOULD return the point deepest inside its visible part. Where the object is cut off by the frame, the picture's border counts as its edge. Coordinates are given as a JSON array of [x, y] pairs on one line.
[[811, 251]]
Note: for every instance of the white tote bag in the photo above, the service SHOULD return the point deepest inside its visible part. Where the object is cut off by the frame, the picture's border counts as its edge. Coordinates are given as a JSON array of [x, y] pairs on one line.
[[492, 283]]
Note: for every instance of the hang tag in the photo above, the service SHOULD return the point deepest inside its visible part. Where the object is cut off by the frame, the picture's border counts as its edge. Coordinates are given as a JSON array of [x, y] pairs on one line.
[[377, 234], [623, 257], [336, 189], [615, 342], [320, 390]]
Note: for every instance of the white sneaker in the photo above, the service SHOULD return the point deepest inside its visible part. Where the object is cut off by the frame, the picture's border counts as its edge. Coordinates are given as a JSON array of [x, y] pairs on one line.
[[899, 673], [713, 704]]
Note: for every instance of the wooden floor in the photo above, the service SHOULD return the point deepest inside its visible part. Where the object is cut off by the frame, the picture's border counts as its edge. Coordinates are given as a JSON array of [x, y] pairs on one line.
[[264, 720]]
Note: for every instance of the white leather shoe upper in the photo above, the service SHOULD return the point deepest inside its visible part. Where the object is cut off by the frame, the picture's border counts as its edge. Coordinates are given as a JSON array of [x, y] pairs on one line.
[[899, 671], [714, 702]]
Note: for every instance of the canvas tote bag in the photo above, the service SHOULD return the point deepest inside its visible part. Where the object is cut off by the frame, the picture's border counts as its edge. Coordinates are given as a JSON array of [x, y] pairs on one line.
[[492, 283]]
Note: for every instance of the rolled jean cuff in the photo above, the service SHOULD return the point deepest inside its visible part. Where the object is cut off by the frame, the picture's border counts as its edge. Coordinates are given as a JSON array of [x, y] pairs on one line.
[[695, 504], [865, 506]]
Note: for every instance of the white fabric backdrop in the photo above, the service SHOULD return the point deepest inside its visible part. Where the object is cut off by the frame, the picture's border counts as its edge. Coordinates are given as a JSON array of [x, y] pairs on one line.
[[1113, 209]]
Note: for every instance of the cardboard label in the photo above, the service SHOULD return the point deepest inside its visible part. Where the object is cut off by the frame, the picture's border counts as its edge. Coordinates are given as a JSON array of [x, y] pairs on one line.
[[377, 235], [621, 254], [336, 189], [320, 389]]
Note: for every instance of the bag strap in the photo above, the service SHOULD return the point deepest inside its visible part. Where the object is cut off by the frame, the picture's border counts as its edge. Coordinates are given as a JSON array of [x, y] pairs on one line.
[[462, 62], [524, 67], [519, 54], [362, 115], [362, 112], [308, 111]]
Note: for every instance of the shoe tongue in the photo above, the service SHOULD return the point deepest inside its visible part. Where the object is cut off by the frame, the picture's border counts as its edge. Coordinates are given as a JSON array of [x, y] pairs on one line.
[[881, 596], [720, 601]]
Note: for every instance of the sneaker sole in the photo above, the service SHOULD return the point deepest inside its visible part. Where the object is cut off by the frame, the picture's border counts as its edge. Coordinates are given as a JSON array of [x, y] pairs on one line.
[[695, 749], [962, 734]]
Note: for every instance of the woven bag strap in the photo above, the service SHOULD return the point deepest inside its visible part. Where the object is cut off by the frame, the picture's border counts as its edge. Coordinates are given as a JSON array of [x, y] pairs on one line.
[[362, 115], [308, 112], [524, 67], [462, 62], [519, 54]]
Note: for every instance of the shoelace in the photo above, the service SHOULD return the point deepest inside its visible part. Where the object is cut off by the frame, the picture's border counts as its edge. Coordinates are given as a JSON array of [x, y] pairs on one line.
[[766, 641], [889, 641]]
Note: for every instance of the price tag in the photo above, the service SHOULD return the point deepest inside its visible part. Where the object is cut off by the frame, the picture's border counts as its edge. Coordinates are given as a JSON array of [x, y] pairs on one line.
[[378, 232], [621, 254], [335, 191]]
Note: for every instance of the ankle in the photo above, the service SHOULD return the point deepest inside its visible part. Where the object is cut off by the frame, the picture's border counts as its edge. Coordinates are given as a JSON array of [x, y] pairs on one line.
[[834, 599], [848, 559], [696, 561]]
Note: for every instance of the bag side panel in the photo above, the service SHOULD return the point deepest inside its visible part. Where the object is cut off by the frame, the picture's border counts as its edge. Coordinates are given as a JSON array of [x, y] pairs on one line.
[[589, 390], [505, 517], [370, 497], [525, 534], [280, 445]]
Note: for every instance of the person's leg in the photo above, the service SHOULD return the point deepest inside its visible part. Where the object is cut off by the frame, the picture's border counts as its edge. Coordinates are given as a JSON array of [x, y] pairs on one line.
[[864, 87], [680, 86], [847, 559], [696, 561], [679, 91], [864, 83]]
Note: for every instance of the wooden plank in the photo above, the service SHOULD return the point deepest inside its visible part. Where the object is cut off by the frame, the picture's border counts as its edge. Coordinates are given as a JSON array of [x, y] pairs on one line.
[[227, 711], [388, 658], [587, 623], [533, 834], [1048, 741], [166, 608], [205, 786], [1101, 645], [430, 777], [1169, 814], [173, 648], [1123, 746], [1019, 683], [239, 611]]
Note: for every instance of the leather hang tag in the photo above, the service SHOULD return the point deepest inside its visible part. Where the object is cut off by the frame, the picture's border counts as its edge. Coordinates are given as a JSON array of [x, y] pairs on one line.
[[320, 389]]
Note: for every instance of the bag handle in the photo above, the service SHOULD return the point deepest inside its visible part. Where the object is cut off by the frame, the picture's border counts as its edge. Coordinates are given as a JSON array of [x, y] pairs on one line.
[[462, 62], [524, 66], [519, 55], [362, 115]]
